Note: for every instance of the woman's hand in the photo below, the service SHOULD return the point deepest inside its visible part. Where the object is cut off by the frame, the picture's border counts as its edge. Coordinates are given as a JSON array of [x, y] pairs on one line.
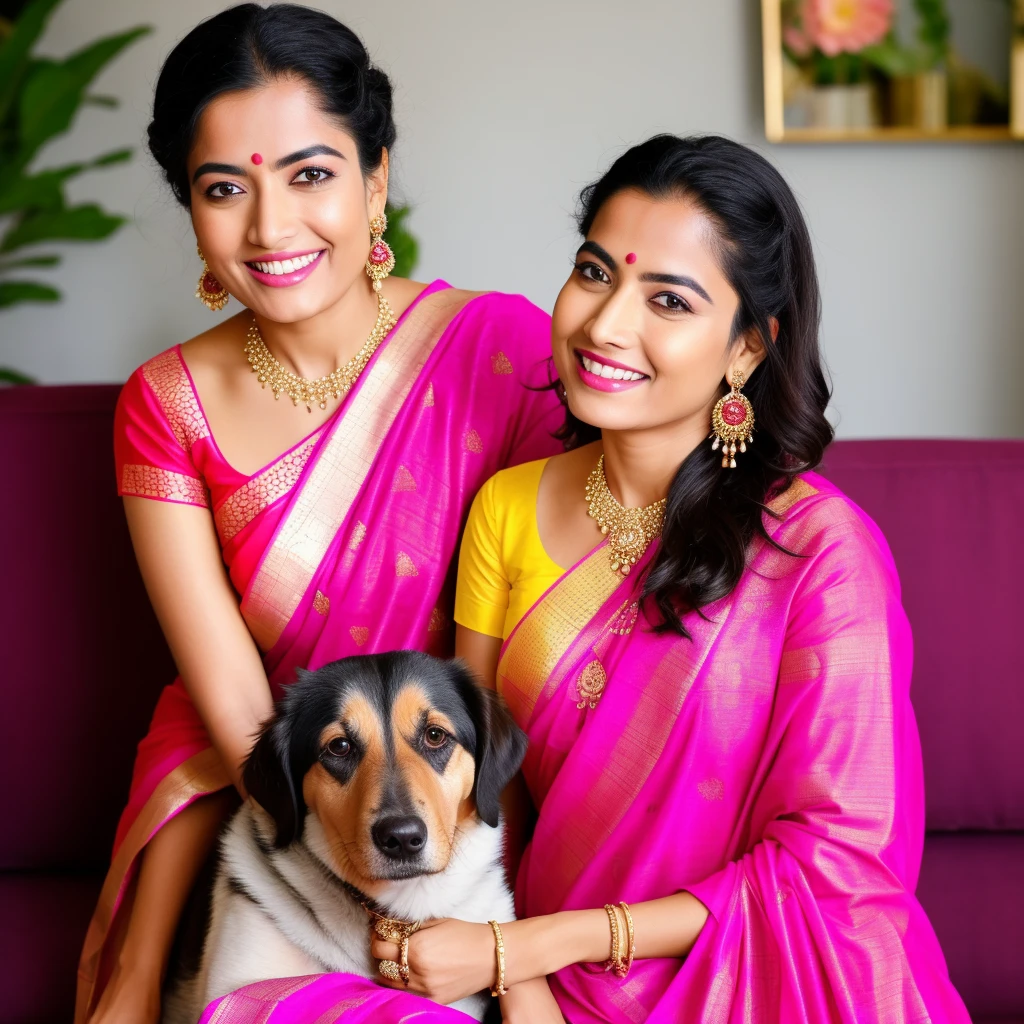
[[448, 959]]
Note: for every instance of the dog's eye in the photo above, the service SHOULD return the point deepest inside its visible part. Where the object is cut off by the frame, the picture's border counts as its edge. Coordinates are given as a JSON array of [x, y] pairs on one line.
[[435, 737], [339, 747]]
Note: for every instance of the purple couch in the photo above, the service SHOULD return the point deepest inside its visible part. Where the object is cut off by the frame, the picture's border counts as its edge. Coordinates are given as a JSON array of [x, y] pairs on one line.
[[82, 661]]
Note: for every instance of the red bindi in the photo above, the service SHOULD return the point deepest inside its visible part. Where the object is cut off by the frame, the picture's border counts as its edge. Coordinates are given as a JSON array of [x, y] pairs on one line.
[[631, 257], [256, 159]]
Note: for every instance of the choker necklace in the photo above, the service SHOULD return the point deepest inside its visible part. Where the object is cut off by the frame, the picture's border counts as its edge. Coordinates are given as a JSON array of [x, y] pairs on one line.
[[629, 530], [301, 389]]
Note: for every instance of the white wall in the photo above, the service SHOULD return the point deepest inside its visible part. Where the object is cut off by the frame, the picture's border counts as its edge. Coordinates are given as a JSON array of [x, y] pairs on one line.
[[504, 111]]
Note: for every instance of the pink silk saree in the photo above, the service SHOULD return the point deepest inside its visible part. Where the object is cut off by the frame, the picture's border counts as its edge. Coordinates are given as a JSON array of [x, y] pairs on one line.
[[770, 766], [342, 545]]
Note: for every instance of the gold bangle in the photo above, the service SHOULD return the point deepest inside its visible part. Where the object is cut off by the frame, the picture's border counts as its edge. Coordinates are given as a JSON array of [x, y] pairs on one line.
[[614, 961], [630, 943], [499, 954]]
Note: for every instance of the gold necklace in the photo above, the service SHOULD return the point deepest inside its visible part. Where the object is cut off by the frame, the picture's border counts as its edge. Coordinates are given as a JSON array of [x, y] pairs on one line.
[[629, 530], [337, 383]]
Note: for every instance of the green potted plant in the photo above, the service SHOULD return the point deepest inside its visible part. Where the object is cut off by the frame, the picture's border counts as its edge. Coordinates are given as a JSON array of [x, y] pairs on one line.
[[39, 98]]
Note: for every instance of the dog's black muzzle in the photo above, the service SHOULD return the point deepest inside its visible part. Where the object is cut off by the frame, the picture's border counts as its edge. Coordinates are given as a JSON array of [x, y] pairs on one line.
[[401, 837]]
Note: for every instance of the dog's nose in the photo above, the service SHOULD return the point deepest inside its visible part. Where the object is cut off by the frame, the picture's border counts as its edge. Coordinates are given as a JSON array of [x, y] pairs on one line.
[[400, 836]]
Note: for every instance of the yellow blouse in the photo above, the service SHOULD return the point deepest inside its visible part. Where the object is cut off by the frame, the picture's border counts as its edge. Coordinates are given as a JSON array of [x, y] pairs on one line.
[[503, 567]]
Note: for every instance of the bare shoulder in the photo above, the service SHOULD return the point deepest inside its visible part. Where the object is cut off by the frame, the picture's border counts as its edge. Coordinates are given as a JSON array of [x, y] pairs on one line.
[[219, 348], [401, 293]]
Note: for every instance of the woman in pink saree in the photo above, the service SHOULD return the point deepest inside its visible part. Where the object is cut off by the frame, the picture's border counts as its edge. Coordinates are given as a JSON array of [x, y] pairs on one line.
[[723, 756], [342, 541]]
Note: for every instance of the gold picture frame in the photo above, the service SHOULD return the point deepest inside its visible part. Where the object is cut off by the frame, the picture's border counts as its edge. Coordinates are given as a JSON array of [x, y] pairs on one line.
[[777, 68]]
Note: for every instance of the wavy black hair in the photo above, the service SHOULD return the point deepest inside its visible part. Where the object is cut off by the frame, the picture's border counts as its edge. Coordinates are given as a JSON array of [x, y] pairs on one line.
[[248, 46], [765, 252]]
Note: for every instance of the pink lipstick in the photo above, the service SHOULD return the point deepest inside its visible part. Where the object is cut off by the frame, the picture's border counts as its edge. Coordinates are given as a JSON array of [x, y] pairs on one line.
[[281, 269], [589, 367]]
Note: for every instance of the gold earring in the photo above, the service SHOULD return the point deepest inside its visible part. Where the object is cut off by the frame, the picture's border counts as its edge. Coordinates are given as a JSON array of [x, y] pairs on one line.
[[381, 260], [732, 421], [210, 292]]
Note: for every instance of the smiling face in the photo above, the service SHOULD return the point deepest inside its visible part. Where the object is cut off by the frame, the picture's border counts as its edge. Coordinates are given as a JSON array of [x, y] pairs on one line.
[[641, 330], [279, 203]]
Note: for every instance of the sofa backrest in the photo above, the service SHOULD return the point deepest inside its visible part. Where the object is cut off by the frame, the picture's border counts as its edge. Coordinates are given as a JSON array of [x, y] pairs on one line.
[[950, 511], [83, 659]]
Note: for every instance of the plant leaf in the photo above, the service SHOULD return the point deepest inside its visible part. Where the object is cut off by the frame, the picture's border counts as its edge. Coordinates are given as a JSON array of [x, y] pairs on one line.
[[101, 101], [9, 376], [14, 53], [45, 190], [31, 261], [77, 223], [53, 91], [403, 243], [26, 291]]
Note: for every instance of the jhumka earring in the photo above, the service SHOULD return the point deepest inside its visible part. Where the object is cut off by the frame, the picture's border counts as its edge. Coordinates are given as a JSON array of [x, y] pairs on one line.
[[732, 421], [210, 292], [381, 260]]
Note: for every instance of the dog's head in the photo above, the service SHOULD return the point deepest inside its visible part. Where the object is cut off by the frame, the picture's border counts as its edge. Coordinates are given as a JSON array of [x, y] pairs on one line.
[[392, 752]]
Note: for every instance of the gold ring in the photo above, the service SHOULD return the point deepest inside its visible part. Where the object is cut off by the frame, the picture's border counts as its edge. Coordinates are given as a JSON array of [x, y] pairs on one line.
[[390, 970], [403, 960], [388, 930]]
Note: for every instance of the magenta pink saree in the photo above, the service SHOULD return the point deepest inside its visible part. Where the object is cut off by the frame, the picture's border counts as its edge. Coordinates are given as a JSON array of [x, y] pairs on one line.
[[344, 544], [770, 766]]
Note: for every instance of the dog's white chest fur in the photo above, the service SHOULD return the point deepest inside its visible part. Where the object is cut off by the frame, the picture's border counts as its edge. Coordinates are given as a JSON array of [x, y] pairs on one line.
[[285, 913]]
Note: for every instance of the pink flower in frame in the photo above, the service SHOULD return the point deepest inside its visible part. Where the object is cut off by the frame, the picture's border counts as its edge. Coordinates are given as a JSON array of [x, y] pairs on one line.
[[846, 26], [794, 32]]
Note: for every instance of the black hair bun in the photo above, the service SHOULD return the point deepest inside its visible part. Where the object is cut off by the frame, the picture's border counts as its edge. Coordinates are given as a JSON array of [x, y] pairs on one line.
[[249, 45]]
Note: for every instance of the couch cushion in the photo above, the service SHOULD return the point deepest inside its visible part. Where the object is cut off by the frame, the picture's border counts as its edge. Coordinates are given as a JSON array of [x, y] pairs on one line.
[[972, 888], [86, 658], [951, 513], [41, 931]]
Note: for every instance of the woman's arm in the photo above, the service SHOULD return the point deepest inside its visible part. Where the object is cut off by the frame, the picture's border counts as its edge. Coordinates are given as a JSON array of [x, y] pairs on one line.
[[179, 556], [451, 959], [530, 1001]]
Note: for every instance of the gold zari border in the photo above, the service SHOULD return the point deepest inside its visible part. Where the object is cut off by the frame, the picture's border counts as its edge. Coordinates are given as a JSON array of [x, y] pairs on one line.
[[140, 481], [244, 505], [168, 380], [340, 471], [549, 629], [201, 774]]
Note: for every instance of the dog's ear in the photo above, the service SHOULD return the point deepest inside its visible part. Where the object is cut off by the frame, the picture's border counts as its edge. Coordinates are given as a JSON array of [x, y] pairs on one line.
[[269, 779], [500, 746]]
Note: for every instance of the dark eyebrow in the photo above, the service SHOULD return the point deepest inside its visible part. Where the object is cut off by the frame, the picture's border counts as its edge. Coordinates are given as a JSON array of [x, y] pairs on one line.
[[216, 169], [600, 252], [683, 282], [305, 154]]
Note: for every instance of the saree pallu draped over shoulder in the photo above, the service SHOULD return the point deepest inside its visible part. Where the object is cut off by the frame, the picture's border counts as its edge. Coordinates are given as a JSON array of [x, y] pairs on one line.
[[357, 558], [769, 765]]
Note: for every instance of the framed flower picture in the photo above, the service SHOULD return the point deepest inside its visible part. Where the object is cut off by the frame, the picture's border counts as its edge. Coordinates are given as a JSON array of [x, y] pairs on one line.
[[900, 70]]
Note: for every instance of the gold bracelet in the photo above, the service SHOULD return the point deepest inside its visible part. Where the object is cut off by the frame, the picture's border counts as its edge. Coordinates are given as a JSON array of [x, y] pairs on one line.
[[630, 944], [614, 961], [499, 954]]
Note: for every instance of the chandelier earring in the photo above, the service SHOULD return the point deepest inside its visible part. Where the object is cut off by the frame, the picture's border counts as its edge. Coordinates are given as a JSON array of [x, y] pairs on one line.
[[210, 292], [732, 421], [381, 260]]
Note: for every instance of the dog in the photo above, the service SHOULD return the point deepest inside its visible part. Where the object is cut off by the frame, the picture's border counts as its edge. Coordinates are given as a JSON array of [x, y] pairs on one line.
[[375, 783]]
